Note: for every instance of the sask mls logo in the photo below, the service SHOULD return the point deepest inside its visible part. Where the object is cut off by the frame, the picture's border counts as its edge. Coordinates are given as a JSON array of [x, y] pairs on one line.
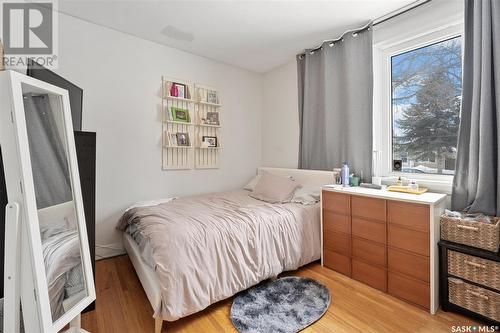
[[29, 29]]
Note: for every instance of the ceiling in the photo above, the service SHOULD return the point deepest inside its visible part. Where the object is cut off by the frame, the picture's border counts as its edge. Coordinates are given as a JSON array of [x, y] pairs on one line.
[[255, 35]]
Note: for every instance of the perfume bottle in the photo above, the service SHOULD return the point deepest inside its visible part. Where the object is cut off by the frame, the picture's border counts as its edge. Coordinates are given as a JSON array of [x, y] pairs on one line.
[[344, 175]]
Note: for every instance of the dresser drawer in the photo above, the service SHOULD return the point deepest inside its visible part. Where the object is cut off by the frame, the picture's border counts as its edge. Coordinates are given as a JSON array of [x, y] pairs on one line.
[[373, 276], [481, 271], [409, 289], [368, 251], [336, 222], [410, 240], [337, 242], [413, 216], [336, 202], [337, 262], [474, 298], [368, 208], [414, 265], [367, 229]]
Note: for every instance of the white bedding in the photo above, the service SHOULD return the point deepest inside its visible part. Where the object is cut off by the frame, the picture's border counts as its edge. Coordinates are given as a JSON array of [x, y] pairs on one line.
[[207, 248]]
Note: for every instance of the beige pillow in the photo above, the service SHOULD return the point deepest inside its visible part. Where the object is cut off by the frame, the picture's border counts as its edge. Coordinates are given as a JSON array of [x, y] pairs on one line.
[[274, 189], [251, 185], [307, 195]]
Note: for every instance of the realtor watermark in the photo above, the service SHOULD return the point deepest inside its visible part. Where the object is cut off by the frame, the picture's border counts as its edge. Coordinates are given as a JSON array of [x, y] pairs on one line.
[[475, 329], [29, 31]]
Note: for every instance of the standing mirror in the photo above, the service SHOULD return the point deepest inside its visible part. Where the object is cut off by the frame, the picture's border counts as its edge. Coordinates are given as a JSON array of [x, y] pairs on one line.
[[44, 170]]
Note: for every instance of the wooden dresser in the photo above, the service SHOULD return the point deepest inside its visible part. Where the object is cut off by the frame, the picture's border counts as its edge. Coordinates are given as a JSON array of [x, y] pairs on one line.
[[384, 239]]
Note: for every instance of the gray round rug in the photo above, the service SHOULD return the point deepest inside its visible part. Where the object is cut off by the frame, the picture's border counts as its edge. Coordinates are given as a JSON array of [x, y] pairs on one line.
[[286, 305]]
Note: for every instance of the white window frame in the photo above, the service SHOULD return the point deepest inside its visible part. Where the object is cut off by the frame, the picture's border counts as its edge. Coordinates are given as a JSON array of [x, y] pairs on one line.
[[382, 100]]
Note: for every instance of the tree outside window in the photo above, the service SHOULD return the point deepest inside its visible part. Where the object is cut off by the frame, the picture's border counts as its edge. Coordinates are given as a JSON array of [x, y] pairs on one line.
[[426, 98]]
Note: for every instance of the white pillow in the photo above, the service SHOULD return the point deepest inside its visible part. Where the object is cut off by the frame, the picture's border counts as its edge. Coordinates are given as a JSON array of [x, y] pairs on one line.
[[274, 189], [251, 185], [307, 195]]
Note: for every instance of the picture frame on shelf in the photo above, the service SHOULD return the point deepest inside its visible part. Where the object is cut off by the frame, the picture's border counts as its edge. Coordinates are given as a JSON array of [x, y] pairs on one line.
[[171, 139], [183, 139], [212, 97], [200, 95], [178, 90], [167, 113], [180, 115], [209, 141], [181, 88], [173, 90], [212, 118]]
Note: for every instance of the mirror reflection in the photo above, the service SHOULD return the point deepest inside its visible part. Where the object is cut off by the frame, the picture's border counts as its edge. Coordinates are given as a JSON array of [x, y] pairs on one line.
[[54, 198]]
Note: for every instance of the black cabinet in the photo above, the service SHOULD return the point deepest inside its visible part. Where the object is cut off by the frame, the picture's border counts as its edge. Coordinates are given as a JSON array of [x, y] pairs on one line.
[[445, 274], [85, 143], [3, 204]]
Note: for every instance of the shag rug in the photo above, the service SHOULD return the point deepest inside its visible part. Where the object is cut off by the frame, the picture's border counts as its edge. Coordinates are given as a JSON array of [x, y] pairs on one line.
[[286, 305]]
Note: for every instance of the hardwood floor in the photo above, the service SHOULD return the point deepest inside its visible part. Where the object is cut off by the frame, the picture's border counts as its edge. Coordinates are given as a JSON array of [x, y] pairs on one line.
[[122, 307]]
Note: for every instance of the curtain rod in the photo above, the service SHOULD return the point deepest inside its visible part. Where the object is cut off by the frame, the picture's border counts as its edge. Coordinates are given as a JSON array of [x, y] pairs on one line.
[[400, 11], [375, 22]]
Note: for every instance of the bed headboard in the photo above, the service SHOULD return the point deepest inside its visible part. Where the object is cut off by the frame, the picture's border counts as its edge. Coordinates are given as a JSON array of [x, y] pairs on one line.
[[302, 176], [55, 214]]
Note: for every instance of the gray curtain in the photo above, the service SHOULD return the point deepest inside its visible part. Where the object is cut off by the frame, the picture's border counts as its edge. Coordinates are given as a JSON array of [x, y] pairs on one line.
[[335, 105], [476, 185], [47, 152]]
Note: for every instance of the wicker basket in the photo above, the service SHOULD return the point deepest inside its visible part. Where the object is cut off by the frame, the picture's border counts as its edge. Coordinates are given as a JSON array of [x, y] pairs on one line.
[[478, 270], [474, 298], [477, 234]]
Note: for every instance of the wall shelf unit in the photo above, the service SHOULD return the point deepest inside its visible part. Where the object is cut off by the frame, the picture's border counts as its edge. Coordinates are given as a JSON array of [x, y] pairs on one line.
[[193, 111]]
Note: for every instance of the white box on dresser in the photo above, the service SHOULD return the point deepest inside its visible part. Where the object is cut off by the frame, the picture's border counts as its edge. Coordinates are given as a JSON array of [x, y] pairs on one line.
[[385, 215]]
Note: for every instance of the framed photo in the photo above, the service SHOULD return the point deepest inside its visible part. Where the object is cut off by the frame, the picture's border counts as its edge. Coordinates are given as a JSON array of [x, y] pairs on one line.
[[168, 113], [181, 115], [212, 118], [183, 139], [178, 90], [181, 90], [171, 139], [212, 96], [209, 141]]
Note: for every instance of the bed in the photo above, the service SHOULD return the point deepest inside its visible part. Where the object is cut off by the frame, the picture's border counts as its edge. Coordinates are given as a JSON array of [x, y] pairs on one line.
[[223, 243], [61, 254]]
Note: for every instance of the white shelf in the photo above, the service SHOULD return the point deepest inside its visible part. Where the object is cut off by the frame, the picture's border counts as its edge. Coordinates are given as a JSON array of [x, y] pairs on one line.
[[178, 122], [208, 103], [209, 147], [206, 167], [181, 99], [178, 147], [207, 125]]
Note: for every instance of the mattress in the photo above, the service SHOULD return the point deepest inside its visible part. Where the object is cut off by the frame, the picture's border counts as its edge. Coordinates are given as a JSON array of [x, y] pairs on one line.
[[143, 246], [146, 274], [207, 248]]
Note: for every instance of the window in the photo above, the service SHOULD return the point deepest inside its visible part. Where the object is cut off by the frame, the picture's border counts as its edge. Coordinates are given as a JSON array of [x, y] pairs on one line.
[[425, 107]]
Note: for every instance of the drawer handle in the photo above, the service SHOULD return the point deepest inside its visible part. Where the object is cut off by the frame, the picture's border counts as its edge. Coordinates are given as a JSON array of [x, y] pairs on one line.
[[475, 293], [466, 227], [470, 263]]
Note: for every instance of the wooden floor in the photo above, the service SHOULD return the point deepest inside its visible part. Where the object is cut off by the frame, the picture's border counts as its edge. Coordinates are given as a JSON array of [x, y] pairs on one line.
[[122, 307]]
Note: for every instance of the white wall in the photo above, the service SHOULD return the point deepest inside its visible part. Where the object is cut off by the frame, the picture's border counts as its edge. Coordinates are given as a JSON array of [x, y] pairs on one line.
[[121, 77], [280, 122]]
